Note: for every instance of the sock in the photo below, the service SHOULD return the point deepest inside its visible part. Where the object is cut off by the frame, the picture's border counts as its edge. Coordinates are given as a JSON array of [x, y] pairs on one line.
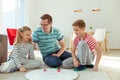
[[90, 66], [14, 69], [80, 68]]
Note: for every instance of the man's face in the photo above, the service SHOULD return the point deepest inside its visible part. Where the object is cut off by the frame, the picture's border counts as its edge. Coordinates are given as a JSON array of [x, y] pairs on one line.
[[45, 25]]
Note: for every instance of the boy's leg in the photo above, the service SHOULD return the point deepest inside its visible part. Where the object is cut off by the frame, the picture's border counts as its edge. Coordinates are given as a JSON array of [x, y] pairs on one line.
[[82, 55], [82, 52], [65, 55], [32, 64], [90, 59], [68, 63], [52, 61]]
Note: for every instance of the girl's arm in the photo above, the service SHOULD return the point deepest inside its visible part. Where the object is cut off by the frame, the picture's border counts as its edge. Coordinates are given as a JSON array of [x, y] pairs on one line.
[[16, 60], [31, 52], [14, 55], [99, 54]]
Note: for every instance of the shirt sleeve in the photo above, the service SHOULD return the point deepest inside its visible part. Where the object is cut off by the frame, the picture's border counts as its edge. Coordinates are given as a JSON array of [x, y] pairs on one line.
[[35, 36], [15, 53], [59, 36], [92, 43], [76, 41], [31, 52]]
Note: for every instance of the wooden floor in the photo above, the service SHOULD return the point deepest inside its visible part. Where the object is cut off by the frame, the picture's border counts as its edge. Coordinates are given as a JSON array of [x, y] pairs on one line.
[[111, 64]]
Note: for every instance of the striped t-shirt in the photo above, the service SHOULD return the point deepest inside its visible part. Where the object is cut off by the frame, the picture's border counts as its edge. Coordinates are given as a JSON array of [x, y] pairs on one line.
[[20, 52], [89, 40], [47, 42]]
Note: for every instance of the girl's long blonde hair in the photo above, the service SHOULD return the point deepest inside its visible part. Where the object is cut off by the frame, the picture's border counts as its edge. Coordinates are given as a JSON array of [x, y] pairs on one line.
[[18, 38]]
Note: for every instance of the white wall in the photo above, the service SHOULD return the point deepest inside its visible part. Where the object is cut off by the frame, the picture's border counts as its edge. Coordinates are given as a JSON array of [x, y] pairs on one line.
[[64, 15], [30, 10]]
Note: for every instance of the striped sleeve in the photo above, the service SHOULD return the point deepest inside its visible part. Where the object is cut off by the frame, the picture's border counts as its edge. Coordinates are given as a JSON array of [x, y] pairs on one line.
[[15, 56], [31, 52], [35, 36], [59, 36], [91, 42], [76, 41]]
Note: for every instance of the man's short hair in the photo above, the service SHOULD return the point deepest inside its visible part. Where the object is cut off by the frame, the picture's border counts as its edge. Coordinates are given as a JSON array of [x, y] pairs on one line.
[[46, 16]]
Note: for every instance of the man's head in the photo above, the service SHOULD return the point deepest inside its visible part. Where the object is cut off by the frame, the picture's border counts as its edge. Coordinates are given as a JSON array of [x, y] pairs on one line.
[[46, 22], [79, 26]]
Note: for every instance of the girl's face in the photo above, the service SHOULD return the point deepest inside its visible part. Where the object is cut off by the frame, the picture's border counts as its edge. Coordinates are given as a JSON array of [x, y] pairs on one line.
[[26, 36], [78, 31]]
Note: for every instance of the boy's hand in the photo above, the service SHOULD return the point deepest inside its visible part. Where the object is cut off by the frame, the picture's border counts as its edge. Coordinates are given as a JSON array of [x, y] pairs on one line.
[[22, 69], [95, 68], [76, 63]]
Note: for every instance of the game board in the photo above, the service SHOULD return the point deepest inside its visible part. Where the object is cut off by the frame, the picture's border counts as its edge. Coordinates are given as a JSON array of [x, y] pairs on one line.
[[51, 74]]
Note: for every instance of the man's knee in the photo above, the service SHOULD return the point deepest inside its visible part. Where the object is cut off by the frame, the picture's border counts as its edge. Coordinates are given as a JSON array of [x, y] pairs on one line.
[[53, 62]]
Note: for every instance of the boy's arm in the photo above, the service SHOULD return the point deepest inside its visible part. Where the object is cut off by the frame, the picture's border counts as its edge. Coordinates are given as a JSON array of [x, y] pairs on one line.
[[99, 54], [76, 63]]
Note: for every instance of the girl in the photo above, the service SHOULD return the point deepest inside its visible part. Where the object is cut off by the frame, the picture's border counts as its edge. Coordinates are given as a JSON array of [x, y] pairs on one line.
[[86, 46], [21, 57]]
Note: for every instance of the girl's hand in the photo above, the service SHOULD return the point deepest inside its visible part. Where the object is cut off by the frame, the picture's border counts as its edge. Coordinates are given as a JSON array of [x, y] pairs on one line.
[[76, 63], [22, 69]]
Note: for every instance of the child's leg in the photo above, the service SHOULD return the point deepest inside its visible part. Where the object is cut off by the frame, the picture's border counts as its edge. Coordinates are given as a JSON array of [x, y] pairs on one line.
[[6, 67], [68, 63], [82, 52], [32, 64], [90, 58]]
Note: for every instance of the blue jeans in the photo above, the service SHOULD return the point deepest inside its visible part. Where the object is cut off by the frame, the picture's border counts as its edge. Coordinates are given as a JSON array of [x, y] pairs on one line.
[[54, 61]]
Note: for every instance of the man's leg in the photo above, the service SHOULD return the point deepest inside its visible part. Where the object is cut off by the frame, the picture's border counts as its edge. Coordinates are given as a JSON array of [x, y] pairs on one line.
[[65, 55], [52, 61]]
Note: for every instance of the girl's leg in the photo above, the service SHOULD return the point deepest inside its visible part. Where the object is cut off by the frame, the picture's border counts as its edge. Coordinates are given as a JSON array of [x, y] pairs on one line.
[[32, 64], [68, 63], [8, 66]]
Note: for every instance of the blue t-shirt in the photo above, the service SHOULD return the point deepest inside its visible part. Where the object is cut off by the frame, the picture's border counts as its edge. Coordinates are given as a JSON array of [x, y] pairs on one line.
[[47, 42]]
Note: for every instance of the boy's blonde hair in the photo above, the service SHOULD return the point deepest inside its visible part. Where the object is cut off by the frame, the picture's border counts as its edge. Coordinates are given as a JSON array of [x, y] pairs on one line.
[[18, 38]]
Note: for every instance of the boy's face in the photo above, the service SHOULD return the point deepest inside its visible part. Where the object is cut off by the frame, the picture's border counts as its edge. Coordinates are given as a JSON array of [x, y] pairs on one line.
[[45, 25], [78, 31]]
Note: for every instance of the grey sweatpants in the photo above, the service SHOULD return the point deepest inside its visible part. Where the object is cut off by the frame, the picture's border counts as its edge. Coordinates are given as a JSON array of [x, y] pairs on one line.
[[28, 64], [84, 56]]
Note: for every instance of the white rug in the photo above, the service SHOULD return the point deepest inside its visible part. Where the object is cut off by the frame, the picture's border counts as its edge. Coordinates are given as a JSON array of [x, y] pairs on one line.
[[83, 75]]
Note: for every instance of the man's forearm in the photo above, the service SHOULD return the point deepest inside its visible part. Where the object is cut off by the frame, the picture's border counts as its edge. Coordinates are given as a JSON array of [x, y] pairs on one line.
[[63, 48]]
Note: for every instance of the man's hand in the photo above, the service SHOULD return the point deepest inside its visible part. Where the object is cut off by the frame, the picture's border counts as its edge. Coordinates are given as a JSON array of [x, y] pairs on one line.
[[35, 45], [56, 55], [76, 63], [22, 69]]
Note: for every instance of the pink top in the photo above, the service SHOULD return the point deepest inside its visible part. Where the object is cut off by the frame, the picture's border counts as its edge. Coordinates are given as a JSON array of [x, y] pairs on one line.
[[89, 39]]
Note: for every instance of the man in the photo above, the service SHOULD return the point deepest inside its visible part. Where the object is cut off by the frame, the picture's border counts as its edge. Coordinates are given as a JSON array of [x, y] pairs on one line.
[[46, 37]]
